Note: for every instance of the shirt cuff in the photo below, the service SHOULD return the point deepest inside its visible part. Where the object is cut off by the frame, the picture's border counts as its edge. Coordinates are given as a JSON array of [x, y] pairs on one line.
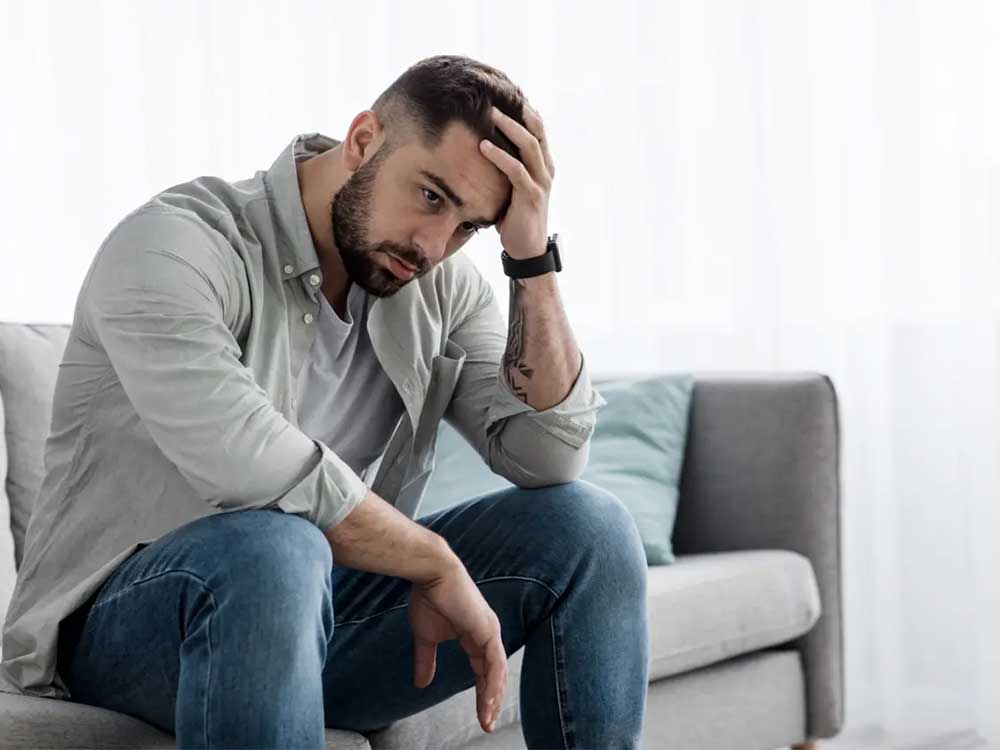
[[571, 420], [328, 493]]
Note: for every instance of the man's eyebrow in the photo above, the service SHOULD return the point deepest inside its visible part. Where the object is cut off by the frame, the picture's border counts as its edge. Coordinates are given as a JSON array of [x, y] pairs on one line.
[[452, 196]]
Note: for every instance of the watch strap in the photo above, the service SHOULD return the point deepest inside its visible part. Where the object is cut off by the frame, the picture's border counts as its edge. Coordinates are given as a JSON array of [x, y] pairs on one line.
[[523, 268]]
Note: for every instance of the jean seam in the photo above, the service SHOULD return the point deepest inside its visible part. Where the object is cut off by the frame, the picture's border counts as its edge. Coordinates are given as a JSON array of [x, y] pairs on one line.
[[561, 697], [211, 597], [148, 578], [482, 580]]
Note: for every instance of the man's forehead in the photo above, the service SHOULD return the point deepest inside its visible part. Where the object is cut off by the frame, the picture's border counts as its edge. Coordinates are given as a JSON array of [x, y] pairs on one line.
[[470, 177]]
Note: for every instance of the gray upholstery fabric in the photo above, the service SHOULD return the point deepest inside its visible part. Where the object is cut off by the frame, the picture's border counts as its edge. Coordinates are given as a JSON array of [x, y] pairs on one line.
[[8, 571], [762, 472], [29, 363], [707, 608], [754, 702], [30, 722], [703, 609]]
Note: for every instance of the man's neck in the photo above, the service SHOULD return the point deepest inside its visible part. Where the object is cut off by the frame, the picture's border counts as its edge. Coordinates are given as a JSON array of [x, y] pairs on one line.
[[320, 179]]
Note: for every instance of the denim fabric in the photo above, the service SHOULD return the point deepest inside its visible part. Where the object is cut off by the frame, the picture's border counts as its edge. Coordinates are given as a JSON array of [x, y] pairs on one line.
[[240, 630]]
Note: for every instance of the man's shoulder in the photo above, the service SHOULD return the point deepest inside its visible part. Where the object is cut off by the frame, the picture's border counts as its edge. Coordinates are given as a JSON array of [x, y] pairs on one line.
[[206, 205], [459, 289], [462, 274], [180, 232], [196, 219]]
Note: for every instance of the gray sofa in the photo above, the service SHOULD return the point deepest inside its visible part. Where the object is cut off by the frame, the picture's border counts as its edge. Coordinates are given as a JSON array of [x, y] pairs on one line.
[[746, 626]]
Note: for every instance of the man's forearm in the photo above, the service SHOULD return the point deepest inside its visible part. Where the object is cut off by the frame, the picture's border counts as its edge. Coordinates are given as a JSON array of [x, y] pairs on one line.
[[376, 537], [542, 360]]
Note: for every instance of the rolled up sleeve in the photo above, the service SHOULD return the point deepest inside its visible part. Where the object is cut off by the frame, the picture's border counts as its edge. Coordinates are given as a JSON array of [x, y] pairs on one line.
[[526, 446], [157, 300]]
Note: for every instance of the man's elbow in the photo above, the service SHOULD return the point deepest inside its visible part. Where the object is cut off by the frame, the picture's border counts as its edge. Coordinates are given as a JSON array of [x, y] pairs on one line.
[[530, 457]]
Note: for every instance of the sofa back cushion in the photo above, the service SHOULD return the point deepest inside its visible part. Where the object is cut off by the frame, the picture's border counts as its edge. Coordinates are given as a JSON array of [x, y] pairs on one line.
[[29, 363], [636, 452], [8, 571]]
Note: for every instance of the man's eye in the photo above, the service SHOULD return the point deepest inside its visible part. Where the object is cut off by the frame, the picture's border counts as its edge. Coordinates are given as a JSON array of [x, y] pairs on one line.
[[431, 196], [469, 228]]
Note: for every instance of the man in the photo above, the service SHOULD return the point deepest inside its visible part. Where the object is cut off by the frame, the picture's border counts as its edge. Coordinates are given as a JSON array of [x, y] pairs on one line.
[[244, 421]]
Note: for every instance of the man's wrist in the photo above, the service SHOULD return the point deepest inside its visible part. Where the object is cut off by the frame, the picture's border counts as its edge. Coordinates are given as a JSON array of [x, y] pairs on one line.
[[523, 255], [439, 560]]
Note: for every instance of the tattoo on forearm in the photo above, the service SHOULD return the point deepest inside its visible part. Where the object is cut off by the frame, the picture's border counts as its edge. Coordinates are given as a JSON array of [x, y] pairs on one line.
[[513, 358]]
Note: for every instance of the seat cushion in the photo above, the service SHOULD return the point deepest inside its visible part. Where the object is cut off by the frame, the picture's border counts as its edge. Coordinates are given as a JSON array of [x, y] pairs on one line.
[[29, 364], [703, 609], [707, 608], [33, 722]]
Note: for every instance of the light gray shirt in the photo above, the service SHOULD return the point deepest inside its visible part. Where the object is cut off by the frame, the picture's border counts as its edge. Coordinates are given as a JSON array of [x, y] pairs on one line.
[[345, 398], [177, 395]]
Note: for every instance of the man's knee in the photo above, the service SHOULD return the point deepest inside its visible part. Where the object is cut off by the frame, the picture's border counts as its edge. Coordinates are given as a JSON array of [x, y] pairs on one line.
[[277, 555], [596, 521]]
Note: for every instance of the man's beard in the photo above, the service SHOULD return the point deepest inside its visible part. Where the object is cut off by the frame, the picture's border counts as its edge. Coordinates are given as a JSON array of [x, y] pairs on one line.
[[350, 213]]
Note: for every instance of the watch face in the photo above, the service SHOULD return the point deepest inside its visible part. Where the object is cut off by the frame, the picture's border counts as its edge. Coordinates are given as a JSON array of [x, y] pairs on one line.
[[554, 248]]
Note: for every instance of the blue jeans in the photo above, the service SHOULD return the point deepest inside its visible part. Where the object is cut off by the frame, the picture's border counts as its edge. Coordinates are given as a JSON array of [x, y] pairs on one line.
[[240, 630]]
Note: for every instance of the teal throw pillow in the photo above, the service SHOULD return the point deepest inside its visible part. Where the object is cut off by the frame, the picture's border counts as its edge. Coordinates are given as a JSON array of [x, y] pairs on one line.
[[636, 453]]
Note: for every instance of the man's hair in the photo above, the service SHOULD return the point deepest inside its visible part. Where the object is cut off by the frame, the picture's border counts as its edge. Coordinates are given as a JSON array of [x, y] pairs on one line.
[[439, 90]]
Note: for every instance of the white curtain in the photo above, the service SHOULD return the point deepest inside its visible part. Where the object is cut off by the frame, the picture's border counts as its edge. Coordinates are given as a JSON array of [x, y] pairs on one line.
[[741, 186]]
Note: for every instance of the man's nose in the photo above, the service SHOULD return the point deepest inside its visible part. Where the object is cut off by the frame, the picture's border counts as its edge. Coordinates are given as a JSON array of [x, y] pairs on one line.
[[433, 243]]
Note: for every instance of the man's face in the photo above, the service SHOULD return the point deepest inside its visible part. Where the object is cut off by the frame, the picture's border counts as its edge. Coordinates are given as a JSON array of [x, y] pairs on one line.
[[420, 205]]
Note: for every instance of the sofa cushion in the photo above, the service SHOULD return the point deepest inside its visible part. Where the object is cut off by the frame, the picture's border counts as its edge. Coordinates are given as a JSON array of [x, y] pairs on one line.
[[636, 453], [28, 721], [29, 363], [48, 722], [8, 573], [710, 607], [703, 609]]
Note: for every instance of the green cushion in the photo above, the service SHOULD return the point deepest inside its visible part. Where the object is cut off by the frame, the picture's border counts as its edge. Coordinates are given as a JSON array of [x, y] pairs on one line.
[[636, 452]]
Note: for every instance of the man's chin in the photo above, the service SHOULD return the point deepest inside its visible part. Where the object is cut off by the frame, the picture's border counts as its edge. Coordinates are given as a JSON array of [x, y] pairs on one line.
[[380, 282]]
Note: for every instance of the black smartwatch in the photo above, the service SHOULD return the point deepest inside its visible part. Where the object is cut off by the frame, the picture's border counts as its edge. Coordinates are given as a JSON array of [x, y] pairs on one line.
[[524, 268]]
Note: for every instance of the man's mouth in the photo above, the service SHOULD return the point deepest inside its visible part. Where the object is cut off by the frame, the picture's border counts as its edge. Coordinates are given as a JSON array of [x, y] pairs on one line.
[[400, 269]]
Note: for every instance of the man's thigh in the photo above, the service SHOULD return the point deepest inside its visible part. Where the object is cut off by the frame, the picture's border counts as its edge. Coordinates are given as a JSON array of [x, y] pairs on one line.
[[504, 540], [121, 650]]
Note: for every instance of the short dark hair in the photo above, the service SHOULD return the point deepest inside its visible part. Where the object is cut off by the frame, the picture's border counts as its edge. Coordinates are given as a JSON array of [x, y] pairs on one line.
[[439, 90]]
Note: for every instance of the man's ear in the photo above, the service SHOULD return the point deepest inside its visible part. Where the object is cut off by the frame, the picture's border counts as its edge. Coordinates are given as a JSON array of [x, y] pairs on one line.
[[363, 139]]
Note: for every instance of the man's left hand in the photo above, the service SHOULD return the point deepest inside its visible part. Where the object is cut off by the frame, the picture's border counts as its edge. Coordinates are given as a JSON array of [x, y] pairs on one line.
[[524, 229]]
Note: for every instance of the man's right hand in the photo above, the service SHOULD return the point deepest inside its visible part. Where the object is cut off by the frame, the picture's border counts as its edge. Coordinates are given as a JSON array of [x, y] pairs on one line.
[[449, 606], [444, 601]]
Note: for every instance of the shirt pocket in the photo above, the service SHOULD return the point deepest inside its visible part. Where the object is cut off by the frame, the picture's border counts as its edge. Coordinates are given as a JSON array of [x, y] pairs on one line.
[[446, 369]]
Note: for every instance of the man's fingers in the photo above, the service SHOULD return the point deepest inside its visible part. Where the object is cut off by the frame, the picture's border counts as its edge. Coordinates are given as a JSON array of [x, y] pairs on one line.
[[424, 662], [489, 663], [534, 122], [484, 708], [527, 143], [487, 703], [496, 676], [516, 172]]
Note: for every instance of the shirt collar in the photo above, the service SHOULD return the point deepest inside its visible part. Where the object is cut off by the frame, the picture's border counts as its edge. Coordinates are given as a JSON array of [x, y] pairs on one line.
[[294, 240]]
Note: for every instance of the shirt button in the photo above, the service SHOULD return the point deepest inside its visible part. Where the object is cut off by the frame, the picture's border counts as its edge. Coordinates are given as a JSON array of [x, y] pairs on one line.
[[308, 318], [407, 386], [289, 268], [314, 279]]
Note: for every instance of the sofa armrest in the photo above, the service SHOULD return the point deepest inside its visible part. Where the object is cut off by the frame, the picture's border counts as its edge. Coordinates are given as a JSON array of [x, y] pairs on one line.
[[761, 471]]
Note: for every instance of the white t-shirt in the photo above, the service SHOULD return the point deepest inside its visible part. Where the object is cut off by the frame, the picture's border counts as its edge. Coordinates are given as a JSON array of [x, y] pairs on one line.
[[345, 399]]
